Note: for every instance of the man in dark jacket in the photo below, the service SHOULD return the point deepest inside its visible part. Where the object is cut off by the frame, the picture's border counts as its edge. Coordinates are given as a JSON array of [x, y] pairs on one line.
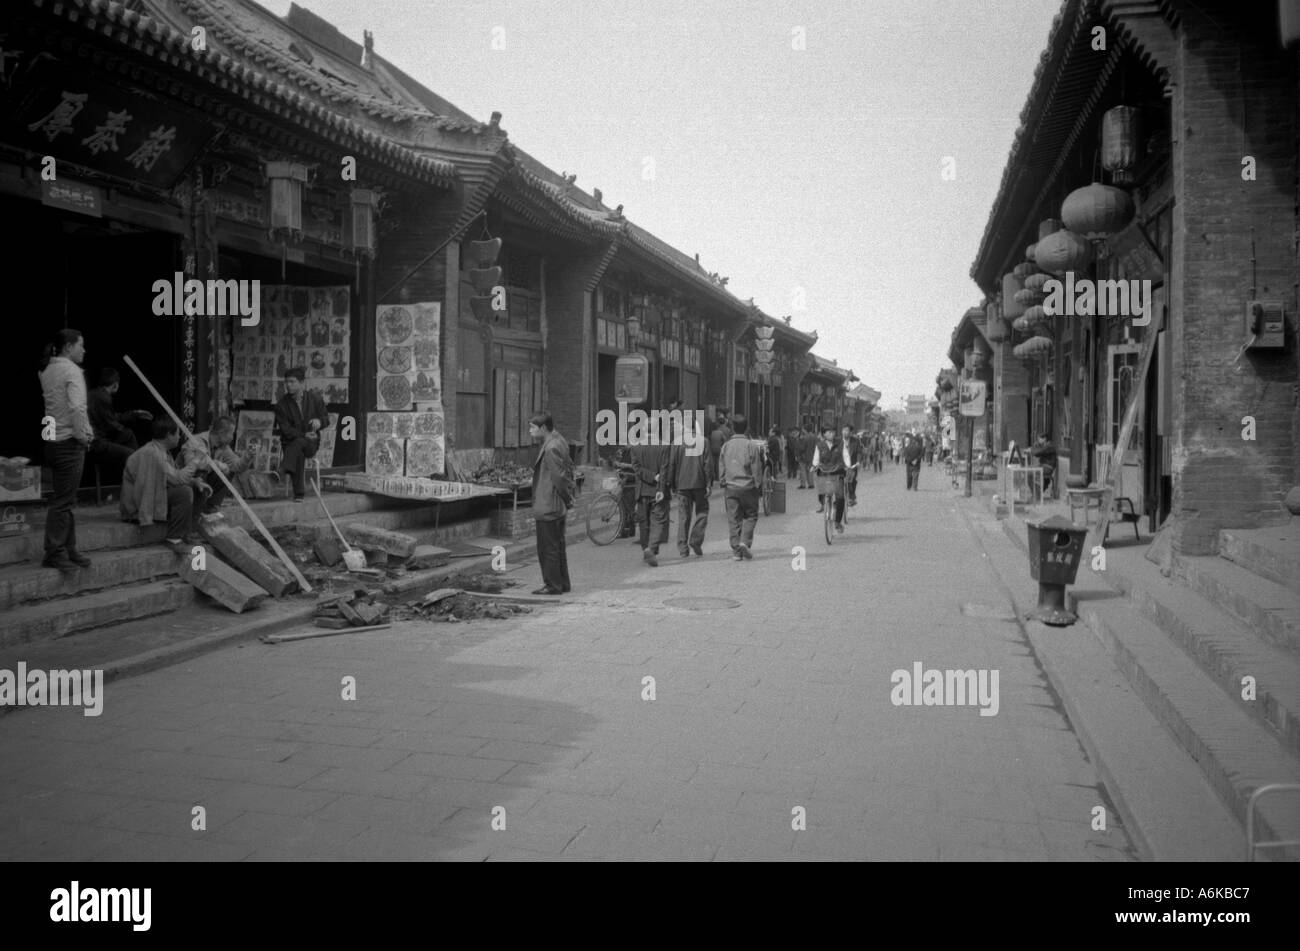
[[807, 449], [553, 489], [850, 442], [913, 450], [299, 416], [792, 452], [114, 441], [653, 494], [720, 434], [690, 476]]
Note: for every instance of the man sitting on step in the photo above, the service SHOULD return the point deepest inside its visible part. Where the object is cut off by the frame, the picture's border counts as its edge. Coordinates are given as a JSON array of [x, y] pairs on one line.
[[211, 450], [153, 489]]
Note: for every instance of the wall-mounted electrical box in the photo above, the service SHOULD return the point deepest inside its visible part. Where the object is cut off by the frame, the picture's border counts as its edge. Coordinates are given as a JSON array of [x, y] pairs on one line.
[[1265, 324]]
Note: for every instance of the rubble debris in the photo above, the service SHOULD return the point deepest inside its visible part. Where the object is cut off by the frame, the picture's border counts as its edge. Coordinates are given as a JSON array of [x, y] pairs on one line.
[[428, 556], [356, 608], [381, 539], [458, 606], [328, 550]]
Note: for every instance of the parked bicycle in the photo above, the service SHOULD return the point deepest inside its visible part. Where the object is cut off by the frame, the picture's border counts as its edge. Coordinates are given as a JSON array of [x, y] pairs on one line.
[[609, 515]]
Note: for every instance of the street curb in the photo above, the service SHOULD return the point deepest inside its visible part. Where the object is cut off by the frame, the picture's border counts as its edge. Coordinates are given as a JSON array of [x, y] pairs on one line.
[[242, 631], [1130, 820]]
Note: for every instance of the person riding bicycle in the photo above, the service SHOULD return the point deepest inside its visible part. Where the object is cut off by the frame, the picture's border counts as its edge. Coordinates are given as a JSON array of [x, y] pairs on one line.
[[830, 462]]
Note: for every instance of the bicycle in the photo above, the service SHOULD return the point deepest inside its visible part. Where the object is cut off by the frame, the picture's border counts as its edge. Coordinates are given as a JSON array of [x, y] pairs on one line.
[[769, 487], [608, 515], [828, 506]]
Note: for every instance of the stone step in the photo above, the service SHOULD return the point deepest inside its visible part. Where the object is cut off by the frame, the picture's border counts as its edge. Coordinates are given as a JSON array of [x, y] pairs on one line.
[[100, 528], [1227, 651], [64, 616], [1271, 553], [1235, 752], [1267, 608], [25, 583]]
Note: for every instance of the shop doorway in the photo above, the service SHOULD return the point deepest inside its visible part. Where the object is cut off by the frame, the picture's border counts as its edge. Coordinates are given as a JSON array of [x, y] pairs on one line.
[[96, 276], [1121, 387]]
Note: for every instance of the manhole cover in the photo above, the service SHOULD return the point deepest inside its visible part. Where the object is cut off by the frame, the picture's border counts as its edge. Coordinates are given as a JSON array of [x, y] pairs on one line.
[[702, 604]]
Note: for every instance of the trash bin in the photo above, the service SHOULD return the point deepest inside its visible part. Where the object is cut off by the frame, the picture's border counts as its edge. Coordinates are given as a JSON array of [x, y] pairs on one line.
[[1055, 547], [778, 497]]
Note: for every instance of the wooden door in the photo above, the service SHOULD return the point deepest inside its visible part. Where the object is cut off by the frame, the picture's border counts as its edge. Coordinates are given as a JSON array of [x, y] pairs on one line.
[[1123, 367]]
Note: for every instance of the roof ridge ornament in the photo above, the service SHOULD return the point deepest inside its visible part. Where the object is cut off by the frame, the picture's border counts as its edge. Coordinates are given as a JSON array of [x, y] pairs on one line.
[[368, 50]]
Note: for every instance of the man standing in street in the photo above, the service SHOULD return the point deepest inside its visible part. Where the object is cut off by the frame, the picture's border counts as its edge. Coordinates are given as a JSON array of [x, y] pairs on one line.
[[807, 447], [552, 498], [721, 433], [690, 475], [740, 471], [653, 494], [912, 453], [854, 451]]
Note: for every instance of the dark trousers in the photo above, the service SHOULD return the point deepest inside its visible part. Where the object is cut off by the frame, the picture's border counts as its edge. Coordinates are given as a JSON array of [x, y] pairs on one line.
[[791, 465], [552, 554], [879, 462], [805, 476], [219, 491], [294, 464], [692, 518], [913, 474], [182, 503], [742, 516], [851, 483], [67, 458], [652, 519], [111, 455]]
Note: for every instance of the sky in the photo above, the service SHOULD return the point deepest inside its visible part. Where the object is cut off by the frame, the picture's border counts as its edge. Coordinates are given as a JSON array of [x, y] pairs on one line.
[[813, 177]]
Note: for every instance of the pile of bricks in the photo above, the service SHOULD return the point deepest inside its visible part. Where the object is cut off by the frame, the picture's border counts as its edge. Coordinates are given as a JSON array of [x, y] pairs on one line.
[[359, 608]]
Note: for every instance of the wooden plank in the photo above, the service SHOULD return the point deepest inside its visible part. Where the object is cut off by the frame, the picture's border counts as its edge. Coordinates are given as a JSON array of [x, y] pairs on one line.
[[283, 638], [223, 584], [1116, 461], [234, 493]]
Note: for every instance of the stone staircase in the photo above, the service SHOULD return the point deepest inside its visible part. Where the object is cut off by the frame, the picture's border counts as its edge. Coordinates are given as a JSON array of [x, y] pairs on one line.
[[134, 576], [1187, 640]]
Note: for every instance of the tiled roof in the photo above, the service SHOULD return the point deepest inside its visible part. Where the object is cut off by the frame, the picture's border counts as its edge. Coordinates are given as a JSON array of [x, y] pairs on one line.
[[257, 66], [1065, 76]]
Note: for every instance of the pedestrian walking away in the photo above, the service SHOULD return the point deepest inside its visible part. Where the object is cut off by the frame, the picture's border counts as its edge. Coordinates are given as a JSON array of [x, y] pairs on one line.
[[690, 476], [553, 488], [807, 446], [653, 499], [63, 386], [830, 462], [740, 471], [912, 453]]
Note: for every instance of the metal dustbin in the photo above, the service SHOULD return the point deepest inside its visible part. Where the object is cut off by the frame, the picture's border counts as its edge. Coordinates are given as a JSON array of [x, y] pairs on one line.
[[1055, 547], [778, 497]]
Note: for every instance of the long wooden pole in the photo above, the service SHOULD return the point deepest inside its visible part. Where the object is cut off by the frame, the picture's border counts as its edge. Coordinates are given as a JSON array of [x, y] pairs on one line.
[[257, 522]]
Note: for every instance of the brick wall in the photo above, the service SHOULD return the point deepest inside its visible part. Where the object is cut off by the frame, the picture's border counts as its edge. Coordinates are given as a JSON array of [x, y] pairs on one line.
[[1235, 95]]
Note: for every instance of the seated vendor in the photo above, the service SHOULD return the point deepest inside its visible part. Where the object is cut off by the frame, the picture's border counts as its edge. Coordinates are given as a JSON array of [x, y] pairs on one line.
[[212, 450], [113, 441], [154, 490], [1044, 451]]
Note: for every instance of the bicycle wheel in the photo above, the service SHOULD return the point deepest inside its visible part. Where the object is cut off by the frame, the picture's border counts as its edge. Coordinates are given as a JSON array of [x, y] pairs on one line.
[[767, 496], [604, 519], [829, 522]]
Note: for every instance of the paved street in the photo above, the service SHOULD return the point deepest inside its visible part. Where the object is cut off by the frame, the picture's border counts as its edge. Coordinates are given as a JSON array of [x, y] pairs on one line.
[[773, 710]]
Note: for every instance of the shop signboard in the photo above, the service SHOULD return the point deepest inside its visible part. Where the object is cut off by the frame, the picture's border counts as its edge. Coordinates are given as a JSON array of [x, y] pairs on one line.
[[1133, 250], [973, 395], [73, 196], [632, 378], [60, 112]]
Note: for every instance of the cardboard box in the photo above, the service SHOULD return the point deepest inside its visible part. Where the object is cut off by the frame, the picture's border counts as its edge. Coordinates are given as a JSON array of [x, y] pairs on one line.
[[20, 483]]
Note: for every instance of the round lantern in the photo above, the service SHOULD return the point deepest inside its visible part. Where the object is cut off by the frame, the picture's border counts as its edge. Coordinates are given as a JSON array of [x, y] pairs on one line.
[[1010, 286], [1035, 282], [1097, 211], [1036, 314], [1023, 270], [1029, 297], [1033, 347], [1121, 137], [1048, 226], [1064, 251], [1029, 252], [1023, 325]]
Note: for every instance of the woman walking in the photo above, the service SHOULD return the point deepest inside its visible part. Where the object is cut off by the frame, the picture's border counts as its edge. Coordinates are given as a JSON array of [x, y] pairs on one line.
[[64, 387]]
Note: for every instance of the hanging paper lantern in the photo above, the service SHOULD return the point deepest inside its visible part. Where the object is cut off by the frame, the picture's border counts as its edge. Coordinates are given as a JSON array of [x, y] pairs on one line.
[[1010, 286], [1035, 282], [1023, 325], [1029, 252], [1023, 270], [1029, 297], [1097, 211], [1064, 251], [1036, 314], [1048, 226], [1033, 347], [1121, 137], [995, 328]]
